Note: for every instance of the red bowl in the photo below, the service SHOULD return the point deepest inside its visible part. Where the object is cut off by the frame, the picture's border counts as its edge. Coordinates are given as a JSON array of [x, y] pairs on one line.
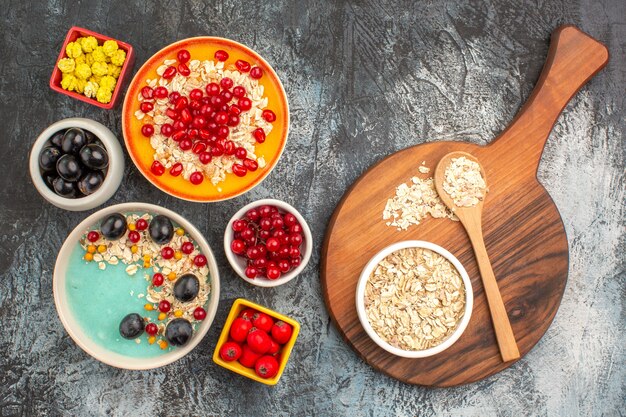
[[74, 33]]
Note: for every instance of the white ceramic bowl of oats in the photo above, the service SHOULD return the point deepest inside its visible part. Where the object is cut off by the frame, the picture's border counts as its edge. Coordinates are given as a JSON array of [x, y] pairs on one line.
[[414, 299]]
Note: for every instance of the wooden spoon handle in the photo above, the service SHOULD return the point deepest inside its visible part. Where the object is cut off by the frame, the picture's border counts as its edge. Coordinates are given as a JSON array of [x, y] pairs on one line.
[[499, 316], [573, 58]]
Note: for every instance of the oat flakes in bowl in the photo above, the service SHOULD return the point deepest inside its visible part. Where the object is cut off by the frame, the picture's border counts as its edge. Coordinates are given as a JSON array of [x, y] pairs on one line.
[[414, 299]]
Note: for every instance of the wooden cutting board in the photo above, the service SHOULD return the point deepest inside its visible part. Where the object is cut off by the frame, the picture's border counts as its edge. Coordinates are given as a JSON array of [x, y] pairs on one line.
[[523, 230]]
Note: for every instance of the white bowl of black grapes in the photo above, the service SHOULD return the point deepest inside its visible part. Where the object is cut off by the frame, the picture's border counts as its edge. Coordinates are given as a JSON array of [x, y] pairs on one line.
[[76, 164]]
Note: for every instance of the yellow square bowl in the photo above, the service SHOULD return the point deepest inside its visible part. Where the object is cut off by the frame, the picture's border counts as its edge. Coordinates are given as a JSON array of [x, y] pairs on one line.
[[239, 305]]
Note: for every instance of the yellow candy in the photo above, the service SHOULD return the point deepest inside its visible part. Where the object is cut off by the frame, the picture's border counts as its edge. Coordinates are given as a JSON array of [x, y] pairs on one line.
[[88, 257], [91, 88], [148, 307], [162, 316], [109, 47], [88, 43], [178, 255], [89, 59], [91, 248], [66, 65], [80, 60], [180, 231], [82, 71], [103, 95], [146, 258], [171, 276], [146, 264], [178, 313], [163, 344], [108, 82], [80, 85], [99, 69], [95, 79], [131, 226], [102, 248], [134, 249], [73, 50], [152, 339], [114, 70], [68, 82], [98, 55], [118, 57]]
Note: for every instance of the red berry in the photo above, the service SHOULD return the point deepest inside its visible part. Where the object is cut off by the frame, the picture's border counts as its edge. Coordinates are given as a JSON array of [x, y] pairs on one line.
[[212, 89], [187, 248], [295, 239], [185, 144], [178, 136], [184, 70], [273, 272], [233, 120], [240, 153], [141, 224], [196, 94], [169, 72], [296, 228], [164, 306], [256, 72], [167, 130], [239, 225], [290, 219], [295, 262], [229, 147], [205, 157], [160, 92], [199, 260], [134, 236], [196, 178], [260, 263], [284, 265], [167, 252], [223, 131], [157, 279], [239, 170], [185, 115], [234, 109], [247, 233], [146, 106], [244, 103], [157, 168], [243, 66], [221, 118], [239, 91], [152, 329], [199, 313], [277, 223], [253, 252], [251, 272], [183, 56], [147, 130], [199, 147], [93, 236], [217, 150], [238, 246], [269, 116], [221, 55], [272, 244], [176, 169], [181, 103], [174, 96], [253, 215], [259, 135], [250, 164], [294, 252], [147, 93], [226, 83]]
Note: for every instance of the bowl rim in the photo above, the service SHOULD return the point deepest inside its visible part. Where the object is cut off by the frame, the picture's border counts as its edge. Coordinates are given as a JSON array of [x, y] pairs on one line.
[[115, 170], [360, 301], [92, 348], [236, 262], [130, 56], [232, 43]]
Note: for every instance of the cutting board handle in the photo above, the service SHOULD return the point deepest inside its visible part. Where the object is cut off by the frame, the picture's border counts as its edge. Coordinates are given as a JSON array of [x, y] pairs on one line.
[[573, 59]]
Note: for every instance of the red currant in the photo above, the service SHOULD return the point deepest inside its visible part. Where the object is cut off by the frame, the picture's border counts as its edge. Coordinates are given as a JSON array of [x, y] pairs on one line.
[[244, 103], [147, 130], [93, 236], [167, 252], [239, 91], [152, 329], [253, 215], [134, 236], [141, 224], [196, 94], [272, 244], [273, 272], [212, 89], [256, 73], [284, 265], [295, 262], [294, 252], [247, 233], [157, 168], [160, 92], [205, 157], [253, 252], [226, 83], [199, 260], [295, 239], [167, 130], [221, 55], [296, 228], [199, 313], [238, 246], [239, 225], [221, 118], [183, 56], [196, 178], [146, 106], [290, 219], [265, 224], [251, 272], [187, 248], [157, 279], [164, 306]]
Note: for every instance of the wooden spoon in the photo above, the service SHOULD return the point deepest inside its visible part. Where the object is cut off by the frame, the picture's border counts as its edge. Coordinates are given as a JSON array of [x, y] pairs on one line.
[[471, 218]]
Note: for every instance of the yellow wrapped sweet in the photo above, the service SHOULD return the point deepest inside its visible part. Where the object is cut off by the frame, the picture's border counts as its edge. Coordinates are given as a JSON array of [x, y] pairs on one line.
[[99, 69], [108, 82], [80, 60], [114, 70], [109, 47], [82, 71], [95, 79], [118, 57], [103, 95], [68, 82], [98, 55], [91, 89], [88, 43], [73, 50], [66, 65], [89, 59], [80, 85]]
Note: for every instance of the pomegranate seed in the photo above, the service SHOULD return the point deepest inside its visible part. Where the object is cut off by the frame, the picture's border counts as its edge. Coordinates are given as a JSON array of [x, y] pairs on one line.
[[212, 89], [221, 118], [251, 272], [256, 73], [187, 248], [269, 116], [172, 114], [273, 272], [226, 83], [221, 55], [226, 95], [229, 147], [253, 215], [164, 306], [217, 150], [181, 103], [167, 130], [199, 260], [157, 279], [169, 72], [217, 102], [233, 120], [243, 66], [199, 147], [205, 134], [184, 70], [244, 103], [199, 313], [185, 116], [178, 125], [196, 94], [284, 265], [211, 125], [183, 56], [240, 153], [234, 109], [146, 106], [185, 144], [239, 91], [196, 178], [239, 170], [176, 169], [147, 130], [223, 131], [193, 133], [174, 96], [239, 225], [167, 252], [147, 93], [238, 246], [295, 239], [251, 164], [152, 329], [178, 136], [272, 244], [134, 236], [160, 92], [290, 219], [259, 135], [195, 105], [205, 157]]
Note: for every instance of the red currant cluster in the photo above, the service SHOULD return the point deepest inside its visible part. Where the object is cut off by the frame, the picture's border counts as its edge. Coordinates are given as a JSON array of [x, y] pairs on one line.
[[269, 240]]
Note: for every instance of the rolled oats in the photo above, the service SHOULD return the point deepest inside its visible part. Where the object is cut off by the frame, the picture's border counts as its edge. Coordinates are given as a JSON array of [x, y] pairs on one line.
[[464, 182]]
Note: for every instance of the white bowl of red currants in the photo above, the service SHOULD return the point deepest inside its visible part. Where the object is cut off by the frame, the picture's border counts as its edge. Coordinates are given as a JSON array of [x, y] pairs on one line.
[[268, 243], [76, 164]]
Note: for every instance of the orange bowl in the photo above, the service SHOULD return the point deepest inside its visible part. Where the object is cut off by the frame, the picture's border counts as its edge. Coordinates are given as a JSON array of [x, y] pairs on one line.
[[141, 152]]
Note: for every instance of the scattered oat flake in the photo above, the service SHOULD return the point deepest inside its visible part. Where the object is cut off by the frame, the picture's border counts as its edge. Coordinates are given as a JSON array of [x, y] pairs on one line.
[[464, 182], [424, 170]]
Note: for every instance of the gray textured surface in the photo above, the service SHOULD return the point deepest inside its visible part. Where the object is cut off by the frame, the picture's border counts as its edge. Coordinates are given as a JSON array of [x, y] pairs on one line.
[[364, 79]]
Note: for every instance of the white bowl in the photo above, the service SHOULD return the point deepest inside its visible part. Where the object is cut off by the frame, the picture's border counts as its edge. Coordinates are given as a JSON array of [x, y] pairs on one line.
[[360, 299], [73, 327], [239, 263], [111, 181]]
